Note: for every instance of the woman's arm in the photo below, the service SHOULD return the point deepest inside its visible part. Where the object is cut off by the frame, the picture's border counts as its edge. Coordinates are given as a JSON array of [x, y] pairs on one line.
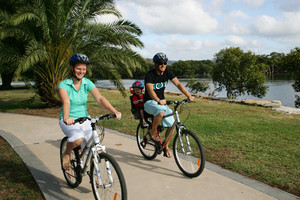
[[64, 97], [102, 101]]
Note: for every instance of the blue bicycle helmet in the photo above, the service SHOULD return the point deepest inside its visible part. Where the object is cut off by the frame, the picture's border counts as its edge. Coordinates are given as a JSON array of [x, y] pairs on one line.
[[79, 58], [160, 56], [138, 84]]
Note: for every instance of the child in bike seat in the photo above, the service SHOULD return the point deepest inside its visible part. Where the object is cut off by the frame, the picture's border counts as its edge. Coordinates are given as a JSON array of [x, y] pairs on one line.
[[137, 101]]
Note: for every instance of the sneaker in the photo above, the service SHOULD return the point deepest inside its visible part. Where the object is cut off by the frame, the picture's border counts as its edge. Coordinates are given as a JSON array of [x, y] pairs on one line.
[[145, 124]]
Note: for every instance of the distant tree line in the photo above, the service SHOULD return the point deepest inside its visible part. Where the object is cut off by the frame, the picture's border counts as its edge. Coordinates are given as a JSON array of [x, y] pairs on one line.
[[274, 63]]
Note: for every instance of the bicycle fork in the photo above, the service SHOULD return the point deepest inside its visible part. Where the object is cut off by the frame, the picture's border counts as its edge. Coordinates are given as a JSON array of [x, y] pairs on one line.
[[96, 160], [187, 142]]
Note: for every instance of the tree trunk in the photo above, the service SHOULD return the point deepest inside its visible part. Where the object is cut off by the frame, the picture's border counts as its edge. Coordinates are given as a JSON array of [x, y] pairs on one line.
[[6, 80]]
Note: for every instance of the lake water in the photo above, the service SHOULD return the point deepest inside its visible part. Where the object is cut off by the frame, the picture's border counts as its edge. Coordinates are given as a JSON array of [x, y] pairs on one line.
[[280, 88]]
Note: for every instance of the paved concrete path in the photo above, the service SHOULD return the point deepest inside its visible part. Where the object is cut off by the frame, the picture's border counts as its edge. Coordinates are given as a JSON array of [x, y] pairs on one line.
[[37, 140]]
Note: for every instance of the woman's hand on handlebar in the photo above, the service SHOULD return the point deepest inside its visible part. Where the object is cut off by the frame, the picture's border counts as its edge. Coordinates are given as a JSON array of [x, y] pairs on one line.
[[118, 115], [69, 121]]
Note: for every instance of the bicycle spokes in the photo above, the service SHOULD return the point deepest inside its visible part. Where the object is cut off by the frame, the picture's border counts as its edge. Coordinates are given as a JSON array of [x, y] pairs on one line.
[[112, 185], [188, 153]]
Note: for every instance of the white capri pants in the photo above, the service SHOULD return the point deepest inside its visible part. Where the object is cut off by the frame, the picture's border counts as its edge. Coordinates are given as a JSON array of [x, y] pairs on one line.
[[77, 131]]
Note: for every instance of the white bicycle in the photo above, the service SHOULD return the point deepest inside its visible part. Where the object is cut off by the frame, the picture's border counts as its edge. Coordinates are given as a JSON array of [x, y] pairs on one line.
[[106, 177]]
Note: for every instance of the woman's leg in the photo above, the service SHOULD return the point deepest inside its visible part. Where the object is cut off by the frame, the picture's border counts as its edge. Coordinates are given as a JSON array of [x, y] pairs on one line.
[[67, 154]]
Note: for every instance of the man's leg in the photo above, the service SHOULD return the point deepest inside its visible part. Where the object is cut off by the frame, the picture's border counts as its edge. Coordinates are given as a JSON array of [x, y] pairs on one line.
[[169, 134], [156, 121]]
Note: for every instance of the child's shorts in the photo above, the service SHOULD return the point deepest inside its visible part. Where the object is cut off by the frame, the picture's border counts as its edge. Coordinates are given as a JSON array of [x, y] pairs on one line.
[[153, 108]]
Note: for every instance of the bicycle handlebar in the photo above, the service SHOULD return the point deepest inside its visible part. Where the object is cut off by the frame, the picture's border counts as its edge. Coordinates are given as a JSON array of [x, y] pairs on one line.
[[179, 102], [101, 117]]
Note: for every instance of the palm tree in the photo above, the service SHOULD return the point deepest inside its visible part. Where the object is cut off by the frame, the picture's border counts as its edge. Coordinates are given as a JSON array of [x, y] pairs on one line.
[[12, 48], [56, 29]]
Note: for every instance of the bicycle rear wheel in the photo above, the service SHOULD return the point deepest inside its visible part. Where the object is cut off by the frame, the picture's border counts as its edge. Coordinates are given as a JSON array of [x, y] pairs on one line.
[[113, 186], [145, 143], [189, 153], [72, 176]]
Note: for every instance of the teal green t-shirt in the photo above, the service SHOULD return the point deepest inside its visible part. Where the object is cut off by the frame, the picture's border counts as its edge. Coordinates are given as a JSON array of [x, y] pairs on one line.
[[78, 99]]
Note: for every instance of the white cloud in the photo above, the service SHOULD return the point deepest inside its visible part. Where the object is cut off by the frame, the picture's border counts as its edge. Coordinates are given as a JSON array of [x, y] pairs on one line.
[[239, 14], [216, 6], [183, 44], [237, 23], [290, 5], [198, 29], [254, 3], [173, 17], [288, 25], [240, 29], [236, 41]]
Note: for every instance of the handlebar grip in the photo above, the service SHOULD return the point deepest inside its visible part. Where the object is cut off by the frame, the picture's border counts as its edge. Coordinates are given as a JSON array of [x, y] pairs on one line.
[[187, 100], [111, 116], [169, 102], [108, 116], [81, 120]]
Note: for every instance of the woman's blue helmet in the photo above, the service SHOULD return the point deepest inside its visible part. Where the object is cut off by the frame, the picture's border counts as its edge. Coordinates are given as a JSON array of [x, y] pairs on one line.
[[160, 56], [79, 58], [138, 84]]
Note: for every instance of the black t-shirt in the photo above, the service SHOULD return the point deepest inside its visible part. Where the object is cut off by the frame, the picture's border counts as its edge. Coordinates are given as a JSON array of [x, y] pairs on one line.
[[159, 83]]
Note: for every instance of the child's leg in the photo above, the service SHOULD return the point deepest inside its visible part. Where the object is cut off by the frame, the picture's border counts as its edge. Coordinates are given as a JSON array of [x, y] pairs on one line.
[[145, 124], [142, 114]]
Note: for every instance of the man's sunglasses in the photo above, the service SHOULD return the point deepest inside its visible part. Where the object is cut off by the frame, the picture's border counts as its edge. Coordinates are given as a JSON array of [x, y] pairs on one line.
[[162, 63]]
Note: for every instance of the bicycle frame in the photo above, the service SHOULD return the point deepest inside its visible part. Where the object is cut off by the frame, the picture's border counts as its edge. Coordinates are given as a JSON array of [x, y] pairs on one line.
[[187, 148], [176, 125], [94, 148]]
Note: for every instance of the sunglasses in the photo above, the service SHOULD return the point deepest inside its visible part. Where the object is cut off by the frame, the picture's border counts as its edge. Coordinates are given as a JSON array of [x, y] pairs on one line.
[[162, 63]]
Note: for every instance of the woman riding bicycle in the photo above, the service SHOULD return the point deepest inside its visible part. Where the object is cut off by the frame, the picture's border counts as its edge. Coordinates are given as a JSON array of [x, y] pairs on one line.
[[73, 93], [155, 103]]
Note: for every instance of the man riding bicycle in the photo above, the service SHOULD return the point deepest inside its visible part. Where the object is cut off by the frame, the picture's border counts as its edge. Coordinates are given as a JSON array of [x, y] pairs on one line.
[[155, 102]]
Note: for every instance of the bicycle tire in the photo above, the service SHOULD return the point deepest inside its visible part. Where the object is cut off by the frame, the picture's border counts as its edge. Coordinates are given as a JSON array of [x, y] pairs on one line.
[[146, 145], [190, 158], [116, 190], [72, 176]]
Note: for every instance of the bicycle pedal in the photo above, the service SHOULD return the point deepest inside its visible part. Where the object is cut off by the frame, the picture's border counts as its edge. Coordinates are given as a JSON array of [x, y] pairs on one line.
[[158, 147]]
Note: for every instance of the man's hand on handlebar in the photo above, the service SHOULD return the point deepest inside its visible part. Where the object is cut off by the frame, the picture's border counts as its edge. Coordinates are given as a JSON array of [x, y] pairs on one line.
[[162, 102], [191, 98]]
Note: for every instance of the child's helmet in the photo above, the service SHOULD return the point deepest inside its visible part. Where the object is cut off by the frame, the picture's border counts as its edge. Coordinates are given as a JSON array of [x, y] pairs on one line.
[[138, 84]]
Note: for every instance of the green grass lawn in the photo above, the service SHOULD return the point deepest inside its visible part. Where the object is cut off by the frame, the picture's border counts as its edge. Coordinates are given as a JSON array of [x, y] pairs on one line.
[[16, 181], [254, 141]]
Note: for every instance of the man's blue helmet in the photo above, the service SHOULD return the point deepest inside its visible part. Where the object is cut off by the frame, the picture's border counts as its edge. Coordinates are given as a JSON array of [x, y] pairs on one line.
[[79, 58], [160, 56]]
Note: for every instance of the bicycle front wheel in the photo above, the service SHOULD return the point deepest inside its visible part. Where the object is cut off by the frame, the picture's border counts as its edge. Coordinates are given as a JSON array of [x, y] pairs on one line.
[[112, 184], [146, 145], [188, 153], [72, 176]]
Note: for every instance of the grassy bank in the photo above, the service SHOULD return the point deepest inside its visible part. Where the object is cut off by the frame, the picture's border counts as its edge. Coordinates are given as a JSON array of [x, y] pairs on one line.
[[15, 179], [254, 141]]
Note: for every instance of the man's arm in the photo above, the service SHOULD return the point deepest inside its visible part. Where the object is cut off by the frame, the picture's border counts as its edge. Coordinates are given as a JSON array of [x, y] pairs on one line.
[[153, 95], [177, 83]]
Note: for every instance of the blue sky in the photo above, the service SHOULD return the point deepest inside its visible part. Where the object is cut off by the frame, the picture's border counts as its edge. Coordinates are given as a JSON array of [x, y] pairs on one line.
[[198, 29]]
